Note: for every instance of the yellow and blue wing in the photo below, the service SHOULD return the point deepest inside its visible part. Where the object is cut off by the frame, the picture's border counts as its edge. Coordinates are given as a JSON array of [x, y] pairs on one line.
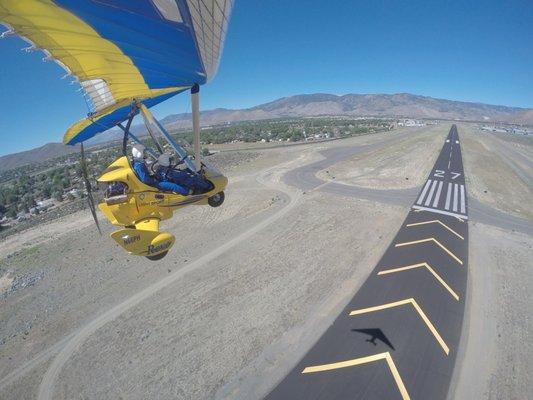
[[121, 50]]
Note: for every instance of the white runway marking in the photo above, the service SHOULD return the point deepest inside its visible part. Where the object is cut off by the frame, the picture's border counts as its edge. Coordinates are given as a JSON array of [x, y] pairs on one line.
[[463, 197], [448, 196], [430, 195], [437, 196], [426, 187], [437, 211], [455, 190]]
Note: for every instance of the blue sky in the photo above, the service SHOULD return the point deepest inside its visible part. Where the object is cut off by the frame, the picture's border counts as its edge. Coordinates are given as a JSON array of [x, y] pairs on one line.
[[461, 50]]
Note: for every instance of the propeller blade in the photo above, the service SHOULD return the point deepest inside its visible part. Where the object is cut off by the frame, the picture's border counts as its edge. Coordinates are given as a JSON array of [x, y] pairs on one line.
[[90, 198]]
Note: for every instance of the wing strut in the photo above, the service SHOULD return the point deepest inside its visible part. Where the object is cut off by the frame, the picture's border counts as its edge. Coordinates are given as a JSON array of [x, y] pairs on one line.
[[195, 102], [126, 133], [152, 123], [90, 198]]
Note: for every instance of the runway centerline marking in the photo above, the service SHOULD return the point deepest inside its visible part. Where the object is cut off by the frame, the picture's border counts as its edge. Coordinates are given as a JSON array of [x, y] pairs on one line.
[[364, 360], [428, 267], [436, 221], [430, 240], [420, 312]]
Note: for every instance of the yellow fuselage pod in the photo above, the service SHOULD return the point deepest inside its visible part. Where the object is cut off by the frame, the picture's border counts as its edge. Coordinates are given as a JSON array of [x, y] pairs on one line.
[[144, 239], [143, 206]]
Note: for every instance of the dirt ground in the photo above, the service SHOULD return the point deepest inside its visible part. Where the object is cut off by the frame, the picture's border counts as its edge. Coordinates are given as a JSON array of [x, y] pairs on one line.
[[495, 174], [403, 164], [496, 355], [247, 288]]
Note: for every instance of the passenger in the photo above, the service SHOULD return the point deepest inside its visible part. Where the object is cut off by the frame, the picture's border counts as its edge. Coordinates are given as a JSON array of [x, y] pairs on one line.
[[191, 181], [141, 170]]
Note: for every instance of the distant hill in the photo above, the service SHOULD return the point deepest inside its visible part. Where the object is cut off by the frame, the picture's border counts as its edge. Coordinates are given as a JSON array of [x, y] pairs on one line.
[[46, 152], [309, 105], [358, 105]]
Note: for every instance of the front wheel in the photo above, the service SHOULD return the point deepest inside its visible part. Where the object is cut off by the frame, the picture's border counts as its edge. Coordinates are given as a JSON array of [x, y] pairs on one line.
[[157, 257], [216, 200]]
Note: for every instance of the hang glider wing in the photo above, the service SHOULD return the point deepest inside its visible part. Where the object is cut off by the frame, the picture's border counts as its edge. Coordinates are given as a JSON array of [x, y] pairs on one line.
[[123, 50]]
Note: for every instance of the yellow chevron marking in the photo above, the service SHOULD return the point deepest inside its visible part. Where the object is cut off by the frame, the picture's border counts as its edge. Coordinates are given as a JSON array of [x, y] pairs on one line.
[[437, 276], [364, 360], [436, 221], [430, 240], [417, 308]]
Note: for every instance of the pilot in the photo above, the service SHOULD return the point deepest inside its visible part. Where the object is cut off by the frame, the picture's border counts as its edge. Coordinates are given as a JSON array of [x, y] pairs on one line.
[[141, 170], [191, 181]]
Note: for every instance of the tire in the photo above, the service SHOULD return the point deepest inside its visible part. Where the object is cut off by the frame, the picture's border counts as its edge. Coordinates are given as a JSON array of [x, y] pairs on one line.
[[216, 200], [157, 257]]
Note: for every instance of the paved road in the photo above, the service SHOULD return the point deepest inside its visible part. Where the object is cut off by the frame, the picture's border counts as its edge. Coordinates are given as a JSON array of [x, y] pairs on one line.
[[398, 337]]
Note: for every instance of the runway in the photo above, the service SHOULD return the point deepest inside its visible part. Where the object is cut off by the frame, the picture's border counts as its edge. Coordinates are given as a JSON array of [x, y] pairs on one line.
[[398, 337], [305, 179]]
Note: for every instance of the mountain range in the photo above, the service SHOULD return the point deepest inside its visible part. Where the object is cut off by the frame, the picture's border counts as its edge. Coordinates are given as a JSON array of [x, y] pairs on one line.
[[360, 105], [33, 156], [310, 105]]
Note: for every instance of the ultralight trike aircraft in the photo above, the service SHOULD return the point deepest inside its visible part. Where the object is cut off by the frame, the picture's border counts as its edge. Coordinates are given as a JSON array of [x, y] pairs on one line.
[[139, 208], [127, 57]]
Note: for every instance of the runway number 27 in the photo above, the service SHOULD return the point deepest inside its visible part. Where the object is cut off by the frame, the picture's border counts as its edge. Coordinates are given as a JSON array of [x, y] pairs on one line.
[[440, 174]]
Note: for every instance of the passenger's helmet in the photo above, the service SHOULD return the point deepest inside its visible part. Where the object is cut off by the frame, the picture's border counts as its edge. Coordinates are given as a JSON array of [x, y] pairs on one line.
[[138, 151], [164, 160]]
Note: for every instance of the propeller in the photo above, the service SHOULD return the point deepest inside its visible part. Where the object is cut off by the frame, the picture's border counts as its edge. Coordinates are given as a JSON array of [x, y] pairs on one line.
[[90, 198]]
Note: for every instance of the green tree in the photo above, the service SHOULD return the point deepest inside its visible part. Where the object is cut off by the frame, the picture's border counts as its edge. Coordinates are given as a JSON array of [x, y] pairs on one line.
[[58, 196]]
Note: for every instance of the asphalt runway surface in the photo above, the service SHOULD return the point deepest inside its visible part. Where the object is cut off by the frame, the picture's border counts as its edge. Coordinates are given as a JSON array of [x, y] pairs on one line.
[[398, 337]]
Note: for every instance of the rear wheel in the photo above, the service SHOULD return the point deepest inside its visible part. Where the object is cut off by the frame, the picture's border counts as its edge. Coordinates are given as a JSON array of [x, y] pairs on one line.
[[216, 200], [157, 257]]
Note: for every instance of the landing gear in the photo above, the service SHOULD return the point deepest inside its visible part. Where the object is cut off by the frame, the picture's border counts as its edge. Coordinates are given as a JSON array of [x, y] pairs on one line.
[[216, 200], [157, 257]]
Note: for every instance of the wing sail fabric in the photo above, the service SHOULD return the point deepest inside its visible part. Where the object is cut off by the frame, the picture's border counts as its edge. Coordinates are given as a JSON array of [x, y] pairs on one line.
[[121, 50]]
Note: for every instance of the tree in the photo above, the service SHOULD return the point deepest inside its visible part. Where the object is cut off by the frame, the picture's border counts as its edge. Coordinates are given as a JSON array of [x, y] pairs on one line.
[[46, 192], [58, 196], [11, 213]]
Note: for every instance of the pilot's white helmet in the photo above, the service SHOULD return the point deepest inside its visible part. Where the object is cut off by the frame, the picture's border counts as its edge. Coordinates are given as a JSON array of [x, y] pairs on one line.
[[137, 151], [164, 160]]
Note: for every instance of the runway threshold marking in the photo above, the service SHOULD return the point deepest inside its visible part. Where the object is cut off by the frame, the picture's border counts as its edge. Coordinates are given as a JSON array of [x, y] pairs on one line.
[[436, 211], [364, 360], [436, 221], [418, 309], [430, 240], [428, 267]]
